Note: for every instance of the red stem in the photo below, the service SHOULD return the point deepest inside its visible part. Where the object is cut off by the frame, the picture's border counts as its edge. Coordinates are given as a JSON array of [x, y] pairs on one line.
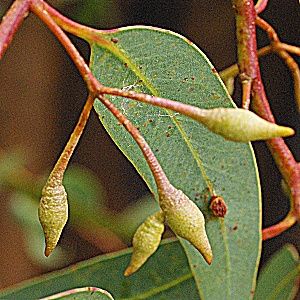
[[11, 22], [159, 175], [62, 163], [279, 228], [38, 7], [74, 27], [284, 159]]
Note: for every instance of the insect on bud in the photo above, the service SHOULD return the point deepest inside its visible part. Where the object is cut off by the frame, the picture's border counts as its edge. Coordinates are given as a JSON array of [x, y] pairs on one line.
[[185, 219], [240, 125], [146, 241], [53, 214]]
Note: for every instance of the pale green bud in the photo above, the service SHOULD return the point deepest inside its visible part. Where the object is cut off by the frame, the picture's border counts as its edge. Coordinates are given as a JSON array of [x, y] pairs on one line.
[[146, 241], [185, 219], [239, 125], [53, 214]]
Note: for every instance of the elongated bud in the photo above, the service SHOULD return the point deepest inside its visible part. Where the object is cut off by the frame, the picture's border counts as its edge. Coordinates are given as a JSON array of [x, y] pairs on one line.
[[240, 125], [145, 241], [185, 219], [53, 214]]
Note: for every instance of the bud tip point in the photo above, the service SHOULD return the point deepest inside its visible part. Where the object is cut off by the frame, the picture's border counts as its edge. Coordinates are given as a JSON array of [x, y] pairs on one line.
[[208, 259], [128, 271], [48, 251]]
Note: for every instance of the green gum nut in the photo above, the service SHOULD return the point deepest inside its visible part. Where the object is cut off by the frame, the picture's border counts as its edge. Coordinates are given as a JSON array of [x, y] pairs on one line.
[[185, 219], [240, 125], [53, 214], [146, 241]]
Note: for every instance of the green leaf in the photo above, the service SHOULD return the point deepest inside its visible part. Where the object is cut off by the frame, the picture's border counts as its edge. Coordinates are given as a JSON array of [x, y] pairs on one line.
[[162, 63], [152, 282], [279, 278], [82, 293]]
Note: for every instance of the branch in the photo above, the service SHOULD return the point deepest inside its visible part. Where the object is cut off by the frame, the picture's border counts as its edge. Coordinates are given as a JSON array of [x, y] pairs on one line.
[[233, 70], [247, 55], [289, 48], [284, 159], [11, 22]]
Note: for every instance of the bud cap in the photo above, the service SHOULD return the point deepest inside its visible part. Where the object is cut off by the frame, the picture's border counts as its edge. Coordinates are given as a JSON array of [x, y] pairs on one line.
[[53, 214], [185, 219], [241, 125], [146, 241]]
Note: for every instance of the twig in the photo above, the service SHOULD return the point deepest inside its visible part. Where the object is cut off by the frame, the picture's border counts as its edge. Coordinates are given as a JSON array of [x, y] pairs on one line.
[[61, 165], [38, 7], [233, 70], [74, 27], [281, 153], [261, 5], [286, 57], [246, 93], [90, 290], [11, 22], [289, 48], [97, 89], [279, 228]]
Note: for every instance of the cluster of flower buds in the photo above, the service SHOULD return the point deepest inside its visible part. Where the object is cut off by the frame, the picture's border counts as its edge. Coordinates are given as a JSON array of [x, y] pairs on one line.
[[146, 241], [184, 218], [180, 213]]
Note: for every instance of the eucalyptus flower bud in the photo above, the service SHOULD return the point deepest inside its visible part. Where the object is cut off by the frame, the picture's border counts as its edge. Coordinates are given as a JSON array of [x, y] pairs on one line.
[[146, 241], [240, 125], [53, 214], [185, 219]]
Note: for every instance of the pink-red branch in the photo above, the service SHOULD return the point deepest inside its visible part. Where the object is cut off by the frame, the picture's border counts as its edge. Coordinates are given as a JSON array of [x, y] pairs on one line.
[[37, 6], [247, 53], [246, 63], [11, 22]]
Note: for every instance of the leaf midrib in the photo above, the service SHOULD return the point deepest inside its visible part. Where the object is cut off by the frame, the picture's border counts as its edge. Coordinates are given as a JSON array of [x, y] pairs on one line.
[[284, 282], [123, 58], [161, 288]]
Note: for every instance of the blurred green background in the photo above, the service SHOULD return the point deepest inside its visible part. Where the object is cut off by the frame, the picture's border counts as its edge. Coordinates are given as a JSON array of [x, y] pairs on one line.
[[41, 97]]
